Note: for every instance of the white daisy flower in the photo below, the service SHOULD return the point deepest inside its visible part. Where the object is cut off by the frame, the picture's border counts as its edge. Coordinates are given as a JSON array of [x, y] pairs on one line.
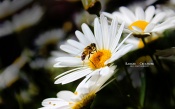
[[8, 7], [49, 37], [22, 20], [83, 95], [25, 20], [143, 22], [11, 73], [93, 52]]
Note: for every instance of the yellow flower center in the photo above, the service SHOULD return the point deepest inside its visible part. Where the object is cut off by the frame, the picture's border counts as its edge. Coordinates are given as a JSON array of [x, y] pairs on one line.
[[85, 102], [98, 59], [140, 24]]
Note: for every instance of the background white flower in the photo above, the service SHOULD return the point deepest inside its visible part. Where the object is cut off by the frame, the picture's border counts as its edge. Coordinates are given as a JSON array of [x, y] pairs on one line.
[[51, 36], [143, 22], [11, 73], [22, 20], [8, 7]]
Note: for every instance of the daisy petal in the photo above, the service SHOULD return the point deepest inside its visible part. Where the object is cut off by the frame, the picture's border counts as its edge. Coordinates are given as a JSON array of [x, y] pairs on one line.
[[82, 38], [117, 38], [107, 15], [149, 12], [105, 31], [98, 33], [113, 29], [73, 76], [120, 18], [110, 72], [121, 43], [120, 53], [55, 102], [140, 14], [69, 71], [68, 61], [149, 27], [65, 95], [135, 28], [166, 22], [70, 49], [77, 75], [76, 44], [88, 33], [104, 71], [129, 14], [163, 27], [158, 17], [96, 72]]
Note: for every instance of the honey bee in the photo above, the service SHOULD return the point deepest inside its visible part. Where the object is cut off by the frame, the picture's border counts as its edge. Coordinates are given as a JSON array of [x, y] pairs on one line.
[[90, 49]]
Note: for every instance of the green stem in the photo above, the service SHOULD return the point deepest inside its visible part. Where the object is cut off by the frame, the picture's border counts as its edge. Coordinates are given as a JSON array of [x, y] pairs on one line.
[[19, 101], [143, 90], [154, 61]]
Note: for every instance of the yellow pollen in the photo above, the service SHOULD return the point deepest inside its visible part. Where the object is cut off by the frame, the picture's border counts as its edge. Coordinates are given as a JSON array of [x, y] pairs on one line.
[[76, 93], [140, 24], [98, 59], [85, 102]]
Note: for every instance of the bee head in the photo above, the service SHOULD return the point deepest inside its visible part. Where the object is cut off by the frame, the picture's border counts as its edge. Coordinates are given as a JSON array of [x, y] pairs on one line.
[[93, 44]]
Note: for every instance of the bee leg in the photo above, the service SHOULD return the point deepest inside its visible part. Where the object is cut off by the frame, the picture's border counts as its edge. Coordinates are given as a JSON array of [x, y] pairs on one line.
[[92, 63], [98, 58], [89, 55]]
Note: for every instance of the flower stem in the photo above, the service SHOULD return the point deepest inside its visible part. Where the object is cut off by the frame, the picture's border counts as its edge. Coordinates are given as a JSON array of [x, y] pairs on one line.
[[154, 61], [143, 90], [19, 101]]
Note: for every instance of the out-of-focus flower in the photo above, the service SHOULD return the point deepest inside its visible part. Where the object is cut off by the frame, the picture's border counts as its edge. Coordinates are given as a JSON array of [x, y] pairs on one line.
[[169, 12], [83, 95], [140, 3], [8, 7], [82, 17], [54, 54], [26, 95], [44, 40], [169, 4], [143, 23], [22, 21], [172, 2], [52, 36], [166, 52], [38, 63], [25, 20], [11, 73], [138, 43], [93, 52]]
